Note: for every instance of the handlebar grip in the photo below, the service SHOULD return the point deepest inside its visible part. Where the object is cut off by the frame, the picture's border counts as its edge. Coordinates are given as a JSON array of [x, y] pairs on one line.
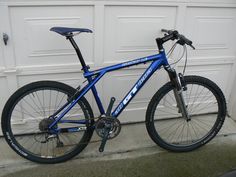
[[174, 34], [166, 31], [186, 40]]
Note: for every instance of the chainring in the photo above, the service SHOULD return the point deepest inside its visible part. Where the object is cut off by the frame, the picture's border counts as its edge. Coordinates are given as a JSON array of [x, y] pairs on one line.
[[113, 123]]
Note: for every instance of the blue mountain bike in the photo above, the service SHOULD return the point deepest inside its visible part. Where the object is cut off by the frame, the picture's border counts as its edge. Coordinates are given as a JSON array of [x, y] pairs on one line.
[[51, 122]]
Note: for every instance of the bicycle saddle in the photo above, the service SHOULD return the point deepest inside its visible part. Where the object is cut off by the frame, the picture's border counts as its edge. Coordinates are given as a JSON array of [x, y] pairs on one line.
[[64, 31]]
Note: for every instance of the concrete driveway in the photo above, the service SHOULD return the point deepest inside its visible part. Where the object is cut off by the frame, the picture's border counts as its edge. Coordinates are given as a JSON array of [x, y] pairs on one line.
[[134, 155]]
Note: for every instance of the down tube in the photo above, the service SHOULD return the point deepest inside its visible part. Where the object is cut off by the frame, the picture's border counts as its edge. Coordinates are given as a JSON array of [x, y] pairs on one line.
[[138, 85]]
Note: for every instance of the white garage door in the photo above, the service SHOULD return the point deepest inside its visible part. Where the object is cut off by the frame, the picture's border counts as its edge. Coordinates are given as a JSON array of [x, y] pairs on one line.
[[123, 30]]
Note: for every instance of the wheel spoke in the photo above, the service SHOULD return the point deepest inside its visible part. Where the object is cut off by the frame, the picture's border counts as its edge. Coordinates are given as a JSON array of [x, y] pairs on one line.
[[179, 132], [26, 124]]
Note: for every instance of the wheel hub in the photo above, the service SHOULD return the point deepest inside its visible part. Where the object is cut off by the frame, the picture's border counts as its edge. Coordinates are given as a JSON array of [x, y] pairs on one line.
[[44, 124]]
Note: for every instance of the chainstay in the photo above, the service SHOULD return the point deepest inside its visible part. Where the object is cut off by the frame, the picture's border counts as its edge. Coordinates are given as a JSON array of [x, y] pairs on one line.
[[94, 141], [88, 142]]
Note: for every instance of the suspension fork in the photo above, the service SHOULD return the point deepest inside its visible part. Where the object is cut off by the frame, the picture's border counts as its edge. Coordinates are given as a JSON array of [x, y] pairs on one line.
[[178, 91]]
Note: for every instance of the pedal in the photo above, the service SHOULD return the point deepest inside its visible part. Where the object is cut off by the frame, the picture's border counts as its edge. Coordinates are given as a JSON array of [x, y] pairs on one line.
[[109, 108]]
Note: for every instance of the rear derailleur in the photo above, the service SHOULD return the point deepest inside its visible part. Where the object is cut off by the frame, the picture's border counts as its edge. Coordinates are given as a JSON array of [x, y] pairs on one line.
[[46, 135]]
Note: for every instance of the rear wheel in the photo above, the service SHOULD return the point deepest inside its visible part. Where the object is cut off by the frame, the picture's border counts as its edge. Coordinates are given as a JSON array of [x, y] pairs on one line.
[[25, 120], [206, 107]]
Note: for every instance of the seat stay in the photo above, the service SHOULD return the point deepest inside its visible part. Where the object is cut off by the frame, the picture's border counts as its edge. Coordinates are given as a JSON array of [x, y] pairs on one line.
[[70, 104]]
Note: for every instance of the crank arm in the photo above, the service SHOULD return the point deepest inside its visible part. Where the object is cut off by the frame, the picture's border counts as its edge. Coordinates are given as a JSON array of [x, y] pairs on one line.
[[104, 140]]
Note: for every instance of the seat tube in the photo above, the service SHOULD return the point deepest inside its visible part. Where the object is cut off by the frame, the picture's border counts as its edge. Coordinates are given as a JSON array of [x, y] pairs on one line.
[[86, 69]]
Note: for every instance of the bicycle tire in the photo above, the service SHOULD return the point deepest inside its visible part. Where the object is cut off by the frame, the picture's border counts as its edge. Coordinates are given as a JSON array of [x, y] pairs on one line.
[[158, 126], [15, 140]]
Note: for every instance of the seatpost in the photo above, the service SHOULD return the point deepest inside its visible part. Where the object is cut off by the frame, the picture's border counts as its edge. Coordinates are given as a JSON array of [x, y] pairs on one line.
[[84, 66]]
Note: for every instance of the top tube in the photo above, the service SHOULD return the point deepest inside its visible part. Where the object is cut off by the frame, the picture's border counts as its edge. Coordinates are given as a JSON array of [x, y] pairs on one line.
[[143, 60]]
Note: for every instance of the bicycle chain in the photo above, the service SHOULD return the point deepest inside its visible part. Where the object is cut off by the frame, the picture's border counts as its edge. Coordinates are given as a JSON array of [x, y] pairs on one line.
[[94, 141]]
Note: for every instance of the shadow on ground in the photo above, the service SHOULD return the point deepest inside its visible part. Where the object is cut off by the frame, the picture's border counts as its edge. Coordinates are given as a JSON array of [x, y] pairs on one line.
[[212, 160]]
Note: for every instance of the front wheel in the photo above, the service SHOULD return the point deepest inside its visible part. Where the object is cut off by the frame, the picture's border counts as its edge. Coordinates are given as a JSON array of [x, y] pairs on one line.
[[206, 106]]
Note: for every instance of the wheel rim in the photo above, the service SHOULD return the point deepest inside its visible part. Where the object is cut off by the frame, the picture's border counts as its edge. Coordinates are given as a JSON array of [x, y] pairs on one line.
[[175, 130], [30, 109]]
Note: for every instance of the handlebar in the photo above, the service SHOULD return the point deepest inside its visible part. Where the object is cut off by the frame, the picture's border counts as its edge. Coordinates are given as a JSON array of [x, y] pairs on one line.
[[174, 35]]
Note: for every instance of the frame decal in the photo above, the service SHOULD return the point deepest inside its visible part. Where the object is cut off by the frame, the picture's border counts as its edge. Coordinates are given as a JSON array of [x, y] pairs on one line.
[[94, 76]]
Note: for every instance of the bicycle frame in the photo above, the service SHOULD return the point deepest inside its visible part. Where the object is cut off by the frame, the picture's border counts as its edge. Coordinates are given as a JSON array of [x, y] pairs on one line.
[[93, 77]]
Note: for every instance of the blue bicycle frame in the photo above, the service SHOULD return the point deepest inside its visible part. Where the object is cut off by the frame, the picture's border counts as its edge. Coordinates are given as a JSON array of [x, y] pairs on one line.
[[93, 77]]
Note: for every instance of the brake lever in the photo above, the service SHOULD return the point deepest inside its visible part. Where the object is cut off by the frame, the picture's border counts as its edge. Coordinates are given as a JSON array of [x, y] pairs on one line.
[[192, 47]]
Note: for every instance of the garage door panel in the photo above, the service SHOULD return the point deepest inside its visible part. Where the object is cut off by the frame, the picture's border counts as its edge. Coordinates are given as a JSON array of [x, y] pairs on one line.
[[35, 45], [118, 84], [212, 31], [51, 44], [220, 74], [72, 79], [1, 57], [4, 91], [134, 30], [213, 1], [123, 31]]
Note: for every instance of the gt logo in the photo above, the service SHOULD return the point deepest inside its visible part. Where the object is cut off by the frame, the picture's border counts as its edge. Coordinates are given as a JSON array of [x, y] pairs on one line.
[[129, 96]]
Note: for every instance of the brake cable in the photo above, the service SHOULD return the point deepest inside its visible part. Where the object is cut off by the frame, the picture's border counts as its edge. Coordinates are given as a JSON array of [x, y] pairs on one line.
[[183, 53], [186, 59], [180, 57]]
